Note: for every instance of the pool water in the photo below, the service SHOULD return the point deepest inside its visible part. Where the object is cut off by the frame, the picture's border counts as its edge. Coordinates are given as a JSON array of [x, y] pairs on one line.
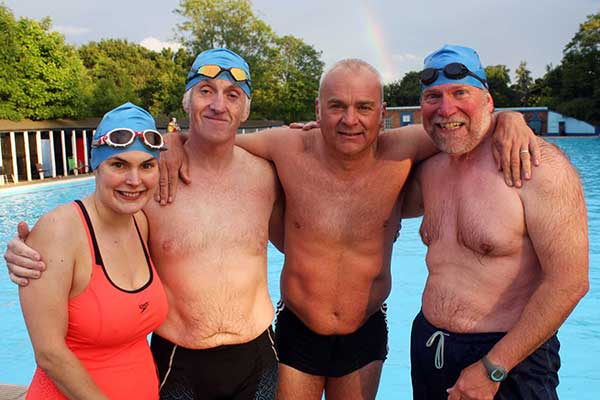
[[579, 336]]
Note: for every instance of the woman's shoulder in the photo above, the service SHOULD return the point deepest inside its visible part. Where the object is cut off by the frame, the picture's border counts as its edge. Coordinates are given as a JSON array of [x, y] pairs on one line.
[[57, 224], [65, 213]]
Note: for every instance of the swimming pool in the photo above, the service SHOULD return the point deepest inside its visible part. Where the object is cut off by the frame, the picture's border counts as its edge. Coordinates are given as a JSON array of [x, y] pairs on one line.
[[580, 335]]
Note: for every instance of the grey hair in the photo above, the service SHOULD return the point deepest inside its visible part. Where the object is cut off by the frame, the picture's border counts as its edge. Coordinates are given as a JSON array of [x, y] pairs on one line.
[[352, 64], [187, 100]]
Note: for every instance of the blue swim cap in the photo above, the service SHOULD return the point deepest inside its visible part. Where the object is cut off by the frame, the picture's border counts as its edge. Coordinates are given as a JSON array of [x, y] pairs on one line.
[[455, 54], [224, 58], [127, 115]]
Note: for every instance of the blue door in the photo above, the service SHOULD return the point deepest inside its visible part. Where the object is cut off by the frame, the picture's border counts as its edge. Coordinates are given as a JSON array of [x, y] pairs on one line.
[[406, 118]]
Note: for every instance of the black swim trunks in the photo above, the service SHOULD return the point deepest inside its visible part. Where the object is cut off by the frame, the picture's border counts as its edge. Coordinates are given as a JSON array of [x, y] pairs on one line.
[[242, 371], [332, 355], [437, 367]]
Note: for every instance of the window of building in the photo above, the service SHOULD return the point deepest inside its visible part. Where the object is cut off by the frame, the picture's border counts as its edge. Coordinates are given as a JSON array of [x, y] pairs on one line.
[[388, 123]]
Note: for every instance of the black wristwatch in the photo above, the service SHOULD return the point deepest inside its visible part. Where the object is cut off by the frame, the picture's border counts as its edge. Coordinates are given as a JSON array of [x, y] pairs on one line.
[[495, 372]]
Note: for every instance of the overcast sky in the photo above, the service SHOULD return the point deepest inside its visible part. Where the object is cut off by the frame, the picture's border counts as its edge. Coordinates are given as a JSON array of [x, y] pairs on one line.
[[392, 35]]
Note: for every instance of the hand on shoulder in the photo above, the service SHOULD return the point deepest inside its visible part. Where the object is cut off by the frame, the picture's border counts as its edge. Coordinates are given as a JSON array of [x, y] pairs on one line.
[[555, 169]]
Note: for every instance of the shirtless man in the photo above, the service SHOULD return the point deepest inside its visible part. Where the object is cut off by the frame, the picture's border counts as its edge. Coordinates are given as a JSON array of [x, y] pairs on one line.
[[210, 249], [342, 216], [342, 187], [506, 266]]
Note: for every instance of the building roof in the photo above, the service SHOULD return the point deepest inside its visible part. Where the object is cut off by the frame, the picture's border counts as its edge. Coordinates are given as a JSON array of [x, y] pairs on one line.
[[404, 108], [525, 109], [29, 125], [91, 123]]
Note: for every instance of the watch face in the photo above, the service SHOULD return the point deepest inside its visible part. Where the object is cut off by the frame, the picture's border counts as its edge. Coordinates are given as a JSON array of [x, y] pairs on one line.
[[498, 374]]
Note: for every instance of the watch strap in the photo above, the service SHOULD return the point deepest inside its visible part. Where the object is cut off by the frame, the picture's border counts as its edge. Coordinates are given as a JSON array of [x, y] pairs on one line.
[[496, 373]]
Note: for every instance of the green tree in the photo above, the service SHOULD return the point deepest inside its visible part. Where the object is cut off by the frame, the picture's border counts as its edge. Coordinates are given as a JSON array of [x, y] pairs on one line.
[[391, 92], [8, 60], [169, 84], [290, 84], [124, 71], [405, 92], [498, 77], [42, 77], [223, 23], [578, 92], [523, 85], [542, 93]]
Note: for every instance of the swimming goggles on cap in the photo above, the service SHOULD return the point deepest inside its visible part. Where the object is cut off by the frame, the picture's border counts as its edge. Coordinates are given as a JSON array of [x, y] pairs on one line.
[[453, 71], [123, 137], [213, 70]]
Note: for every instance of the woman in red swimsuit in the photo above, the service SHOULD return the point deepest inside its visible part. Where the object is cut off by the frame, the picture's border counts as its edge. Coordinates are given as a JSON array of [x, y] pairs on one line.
[[89, 314]]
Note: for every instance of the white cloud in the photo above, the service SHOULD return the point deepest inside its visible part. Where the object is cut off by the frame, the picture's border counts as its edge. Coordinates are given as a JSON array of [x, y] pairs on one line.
[[71, 30], [401, 64], [152, 43], [410, 58]]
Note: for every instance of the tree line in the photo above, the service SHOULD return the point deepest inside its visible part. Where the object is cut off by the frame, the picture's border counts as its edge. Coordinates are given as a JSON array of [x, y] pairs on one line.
[[571, 88], [42, 77]]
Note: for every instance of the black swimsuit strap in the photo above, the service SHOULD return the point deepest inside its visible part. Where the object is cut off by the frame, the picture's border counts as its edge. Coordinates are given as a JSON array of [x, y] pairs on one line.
[[90, 228]]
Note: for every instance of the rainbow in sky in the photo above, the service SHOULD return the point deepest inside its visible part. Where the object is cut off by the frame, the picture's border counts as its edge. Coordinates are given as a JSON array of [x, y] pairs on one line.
[[376, 38]]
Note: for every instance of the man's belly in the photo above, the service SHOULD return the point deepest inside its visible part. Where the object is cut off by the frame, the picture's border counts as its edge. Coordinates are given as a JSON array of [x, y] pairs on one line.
[[219, 321], [213, 304], [336, 301], [461, 304]]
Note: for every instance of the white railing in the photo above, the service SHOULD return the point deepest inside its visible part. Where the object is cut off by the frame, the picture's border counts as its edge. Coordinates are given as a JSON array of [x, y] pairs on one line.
[[18, 142]]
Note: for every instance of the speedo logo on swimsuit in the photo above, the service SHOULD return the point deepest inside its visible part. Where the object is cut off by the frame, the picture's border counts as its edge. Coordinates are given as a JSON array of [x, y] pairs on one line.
[[143, 306]]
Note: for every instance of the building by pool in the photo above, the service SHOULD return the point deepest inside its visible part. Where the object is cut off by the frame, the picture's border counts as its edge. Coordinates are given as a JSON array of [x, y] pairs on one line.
[[541, 120]]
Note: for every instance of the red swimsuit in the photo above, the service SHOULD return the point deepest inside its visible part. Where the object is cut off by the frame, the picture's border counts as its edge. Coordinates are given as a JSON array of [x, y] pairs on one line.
[[108, 328]]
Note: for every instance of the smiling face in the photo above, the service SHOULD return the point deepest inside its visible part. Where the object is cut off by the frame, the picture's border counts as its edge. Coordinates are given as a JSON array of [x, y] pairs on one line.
[[350, 109], [216, 109], [456, 116], [126, 181]]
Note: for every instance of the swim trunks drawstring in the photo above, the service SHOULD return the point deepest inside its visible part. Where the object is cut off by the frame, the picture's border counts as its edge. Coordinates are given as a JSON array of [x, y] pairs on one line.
[[439, 350]]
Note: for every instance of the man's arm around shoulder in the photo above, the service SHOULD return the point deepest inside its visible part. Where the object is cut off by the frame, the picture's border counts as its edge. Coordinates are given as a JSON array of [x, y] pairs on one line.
[[409, 141], [264, 144]]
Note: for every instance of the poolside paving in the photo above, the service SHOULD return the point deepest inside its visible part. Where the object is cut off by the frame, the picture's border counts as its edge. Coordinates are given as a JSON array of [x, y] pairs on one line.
[[12, 392]]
